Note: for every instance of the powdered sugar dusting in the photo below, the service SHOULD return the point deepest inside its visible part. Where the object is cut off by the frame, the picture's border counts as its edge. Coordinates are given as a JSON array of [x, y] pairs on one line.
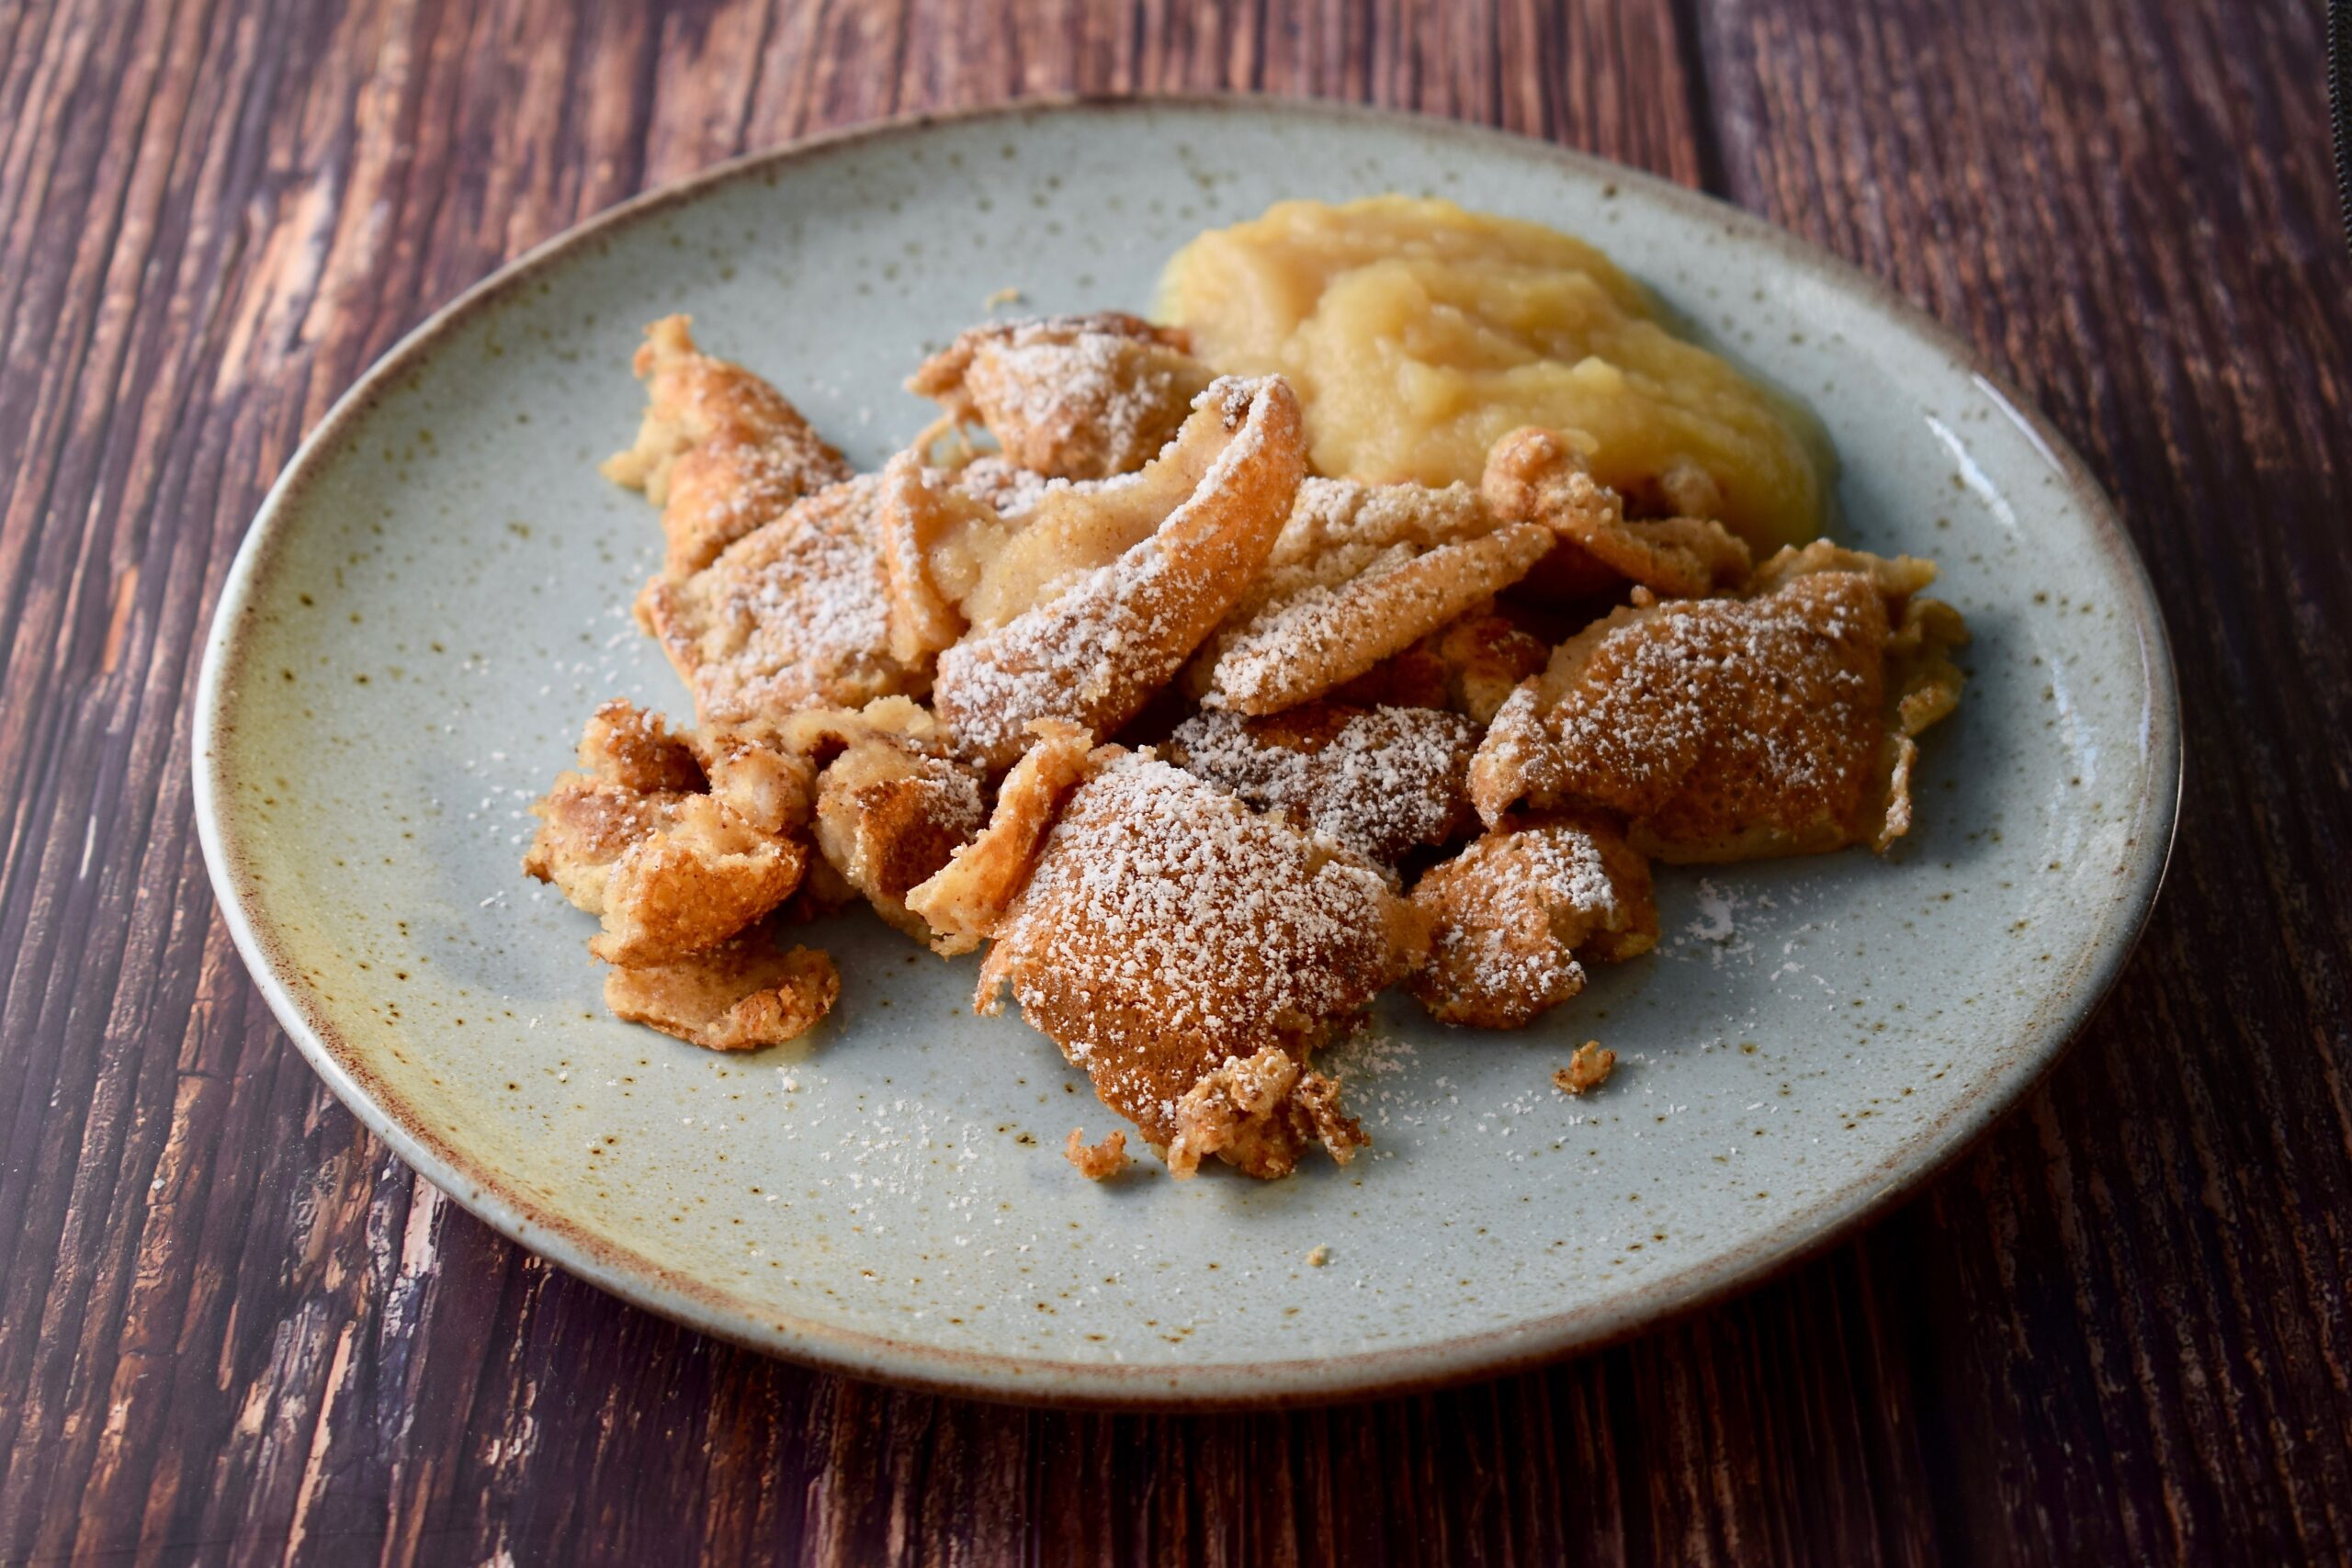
[[1087, 380], [1778, 697], [1714, 922], [1384, 780], [1511, 912], [1082, 396], [1166, 927], [1560, 869], [794, 614], [1077, 659], [1093, 655], [1003, 486]]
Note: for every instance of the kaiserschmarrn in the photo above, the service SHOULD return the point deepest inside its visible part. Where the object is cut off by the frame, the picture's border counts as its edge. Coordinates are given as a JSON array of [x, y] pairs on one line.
[[1376, 622]]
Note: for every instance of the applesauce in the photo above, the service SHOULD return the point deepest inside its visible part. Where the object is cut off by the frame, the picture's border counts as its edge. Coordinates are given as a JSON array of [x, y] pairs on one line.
[[1417, 332]]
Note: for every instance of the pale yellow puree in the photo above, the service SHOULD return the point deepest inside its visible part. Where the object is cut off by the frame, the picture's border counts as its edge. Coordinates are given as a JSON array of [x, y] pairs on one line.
[[1417, 332]]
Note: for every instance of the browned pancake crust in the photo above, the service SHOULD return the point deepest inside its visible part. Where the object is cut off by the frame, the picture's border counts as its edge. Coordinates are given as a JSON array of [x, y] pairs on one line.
[[739, 995], [1726, 729], [1069, 397], [1380, 781], [1513, 914], [1166, 927], [1095, 653], [792, 616], [720, 451], [1535, 475], [670, 871], [889, 817], [1360, 573]]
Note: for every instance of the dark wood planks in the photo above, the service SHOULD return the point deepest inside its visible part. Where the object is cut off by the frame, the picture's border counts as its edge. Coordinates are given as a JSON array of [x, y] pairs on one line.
[[232, 1327]]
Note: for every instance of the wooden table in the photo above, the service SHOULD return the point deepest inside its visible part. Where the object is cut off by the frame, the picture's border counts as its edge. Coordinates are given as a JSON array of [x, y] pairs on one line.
[[232, 1325]]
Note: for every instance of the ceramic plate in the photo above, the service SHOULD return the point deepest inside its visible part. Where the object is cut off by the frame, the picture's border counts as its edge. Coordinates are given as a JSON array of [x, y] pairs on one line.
[[434, 597]]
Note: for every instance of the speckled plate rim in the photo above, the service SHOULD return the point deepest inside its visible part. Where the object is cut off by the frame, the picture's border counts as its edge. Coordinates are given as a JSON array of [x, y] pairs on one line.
[[484, 1191]]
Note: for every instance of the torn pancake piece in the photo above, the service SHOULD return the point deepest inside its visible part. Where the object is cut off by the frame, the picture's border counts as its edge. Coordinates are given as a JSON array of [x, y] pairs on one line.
[[890, 815], [1071, 396], [769, 787], [697, 880], [1380, 781], [1359, 573], [719, 450], [669, 871], [1513, 915], [964, 899], [635, 748], [739, 995], [975, 547], [1166, 927], [795, 615], [1538, 475], [1724, 730], [586, 824], [1096, 1162], [1471, 667], [1484, 656], [1259, 1115], [634, 774], [1092, 651]]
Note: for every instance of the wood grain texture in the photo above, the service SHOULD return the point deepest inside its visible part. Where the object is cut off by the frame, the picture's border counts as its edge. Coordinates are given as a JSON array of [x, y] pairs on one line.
[[234, 1327]]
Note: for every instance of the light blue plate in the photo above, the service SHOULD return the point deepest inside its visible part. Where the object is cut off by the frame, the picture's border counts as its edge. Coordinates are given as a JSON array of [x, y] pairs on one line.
[[434, 596]]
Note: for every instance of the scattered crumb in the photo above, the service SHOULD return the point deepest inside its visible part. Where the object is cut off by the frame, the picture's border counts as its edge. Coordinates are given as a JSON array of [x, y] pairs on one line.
[[1098, 1162], [1008, 295], [1319, 1256], [1587, 1070]]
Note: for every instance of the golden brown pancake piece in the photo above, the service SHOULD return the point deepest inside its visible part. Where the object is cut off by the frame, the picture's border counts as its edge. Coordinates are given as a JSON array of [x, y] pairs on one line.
[[1380, 781], [1724, 730], [792, 616], [1091, 654], [634, 774], [963, 900], [1514, 913], [702, 876], [1534, 475], [972, 548], [889, 817], [739, 995], [1166, 927], [771, 787], [1470, 667], [1359, 573], [1070, 397], [720, 451], [669, 871]]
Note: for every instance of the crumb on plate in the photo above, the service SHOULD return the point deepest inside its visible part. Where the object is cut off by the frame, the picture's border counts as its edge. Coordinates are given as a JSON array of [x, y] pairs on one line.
[[1096, 1162], [1587, 1070]]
